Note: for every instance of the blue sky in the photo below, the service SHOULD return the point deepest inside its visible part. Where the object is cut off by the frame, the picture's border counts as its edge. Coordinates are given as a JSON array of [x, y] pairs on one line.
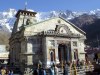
[[49, 5]]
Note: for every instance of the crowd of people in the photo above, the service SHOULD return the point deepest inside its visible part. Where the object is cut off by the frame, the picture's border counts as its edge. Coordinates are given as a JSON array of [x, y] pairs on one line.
[[39, 71], [65, 67], [53, 70]]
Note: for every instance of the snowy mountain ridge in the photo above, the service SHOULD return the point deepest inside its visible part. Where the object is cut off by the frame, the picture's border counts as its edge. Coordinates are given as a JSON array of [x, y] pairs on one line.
[[7, 18]]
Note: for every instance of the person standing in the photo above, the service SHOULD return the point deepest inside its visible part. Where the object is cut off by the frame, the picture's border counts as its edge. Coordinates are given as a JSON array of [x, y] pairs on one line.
[[78, 63], [52, 70], [56, 70], [10, 72], [35, 72], [40, 71], [66, 69], [44, 71], [74, 68], [3, 71]]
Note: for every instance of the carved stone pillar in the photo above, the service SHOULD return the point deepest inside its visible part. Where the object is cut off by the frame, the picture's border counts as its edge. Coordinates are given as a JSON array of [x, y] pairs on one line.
[[56, 51], [72, 51]]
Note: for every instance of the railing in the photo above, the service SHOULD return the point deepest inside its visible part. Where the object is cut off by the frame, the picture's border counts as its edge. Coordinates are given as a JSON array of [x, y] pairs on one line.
[[75, 71]]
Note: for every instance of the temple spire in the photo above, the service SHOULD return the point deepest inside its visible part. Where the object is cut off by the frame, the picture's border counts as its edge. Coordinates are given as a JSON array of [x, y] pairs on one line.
[[25, 10], [25, 5]]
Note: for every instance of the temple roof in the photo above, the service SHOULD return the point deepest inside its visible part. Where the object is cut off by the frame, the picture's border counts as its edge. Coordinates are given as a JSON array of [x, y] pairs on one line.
[[24, 11], [77, 28]]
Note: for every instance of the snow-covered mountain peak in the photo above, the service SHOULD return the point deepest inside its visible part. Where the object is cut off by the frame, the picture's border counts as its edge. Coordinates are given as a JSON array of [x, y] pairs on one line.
[[7, 18], [9, 14]]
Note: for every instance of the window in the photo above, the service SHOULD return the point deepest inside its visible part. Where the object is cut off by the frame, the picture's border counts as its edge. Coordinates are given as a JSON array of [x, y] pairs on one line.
[[75, 43], [28, 22]]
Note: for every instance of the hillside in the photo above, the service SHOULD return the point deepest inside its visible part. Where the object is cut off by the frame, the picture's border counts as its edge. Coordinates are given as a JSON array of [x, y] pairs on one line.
[[84, 19], [92, 33]]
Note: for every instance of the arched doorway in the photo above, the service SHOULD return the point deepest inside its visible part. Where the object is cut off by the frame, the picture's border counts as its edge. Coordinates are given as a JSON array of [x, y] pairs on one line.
[[64, 53], [52, 55], [76, 54]]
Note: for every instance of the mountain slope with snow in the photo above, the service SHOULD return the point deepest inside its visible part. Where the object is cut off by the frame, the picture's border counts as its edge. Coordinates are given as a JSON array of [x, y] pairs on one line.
[[7, 17]]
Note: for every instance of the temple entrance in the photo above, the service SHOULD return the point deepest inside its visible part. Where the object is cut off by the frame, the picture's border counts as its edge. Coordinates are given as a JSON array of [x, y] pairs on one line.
[[52, 55], [63, 53]]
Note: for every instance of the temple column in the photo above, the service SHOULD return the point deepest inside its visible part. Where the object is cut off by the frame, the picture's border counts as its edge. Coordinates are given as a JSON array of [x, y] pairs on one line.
[[72, 51], [56, 51]]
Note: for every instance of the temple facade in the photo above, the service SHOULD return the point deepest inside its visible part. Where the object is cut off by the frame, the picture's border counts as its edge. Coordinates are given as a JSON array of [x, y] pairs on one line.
[[51, 41]]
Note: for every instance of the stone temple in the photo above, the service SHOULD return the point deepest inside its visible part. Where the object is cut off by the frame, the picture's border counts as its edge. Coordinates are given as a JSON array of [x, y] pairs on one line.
[[51, 41]]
